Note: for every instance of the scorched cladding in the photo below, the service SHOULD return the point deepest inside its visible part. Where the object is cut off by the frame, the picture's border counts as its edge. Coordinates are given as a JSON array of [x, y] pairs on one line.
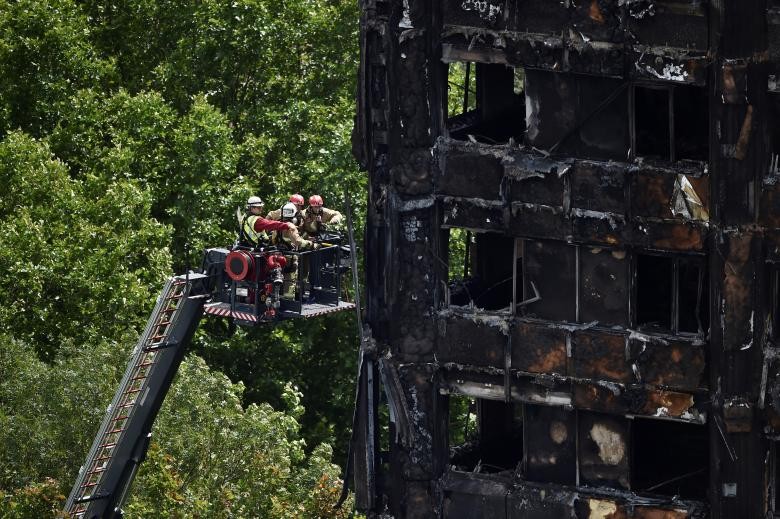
[[573, 265]]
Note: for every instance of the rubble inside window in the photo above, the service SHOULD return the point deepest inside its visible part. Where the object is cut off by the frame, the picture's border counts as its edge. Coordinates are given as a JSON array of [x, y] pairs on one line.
[[485, 102]]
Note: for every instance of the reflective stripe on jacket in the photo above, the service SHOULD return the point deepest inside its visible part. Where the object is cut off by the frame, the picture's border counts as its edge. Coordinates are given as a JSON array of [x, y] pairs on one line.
[[248, 229]]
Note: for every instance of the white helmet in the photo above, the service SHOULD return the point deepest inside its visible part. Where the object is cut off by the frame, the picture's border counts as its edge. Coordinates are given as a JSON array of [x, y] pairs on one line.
[[254, 201], [289, 210]]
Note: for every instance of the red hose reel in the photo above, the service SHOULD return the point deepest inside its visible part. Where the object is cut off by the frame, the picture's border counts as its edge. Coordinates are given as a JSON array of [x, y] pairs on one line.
[[239, 265]]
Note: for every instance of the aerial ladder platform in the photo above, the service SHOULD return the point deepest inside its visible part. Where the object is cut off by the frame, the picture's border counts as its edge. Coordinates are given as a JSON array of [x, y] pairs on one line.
[[123, 438], [242, 284]]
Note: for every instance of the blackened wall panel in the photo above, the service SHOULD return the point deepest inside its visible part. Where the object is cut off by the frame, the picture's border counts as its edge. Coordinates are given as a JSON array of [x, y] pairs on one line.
[[604, 450], [604, 286], [550, 445]]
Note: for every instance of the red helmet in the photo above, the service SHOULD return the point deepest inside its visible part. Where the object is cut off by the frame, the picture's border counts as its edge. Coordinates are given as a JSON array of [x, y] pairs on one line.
[[315, 201], [297, 199]]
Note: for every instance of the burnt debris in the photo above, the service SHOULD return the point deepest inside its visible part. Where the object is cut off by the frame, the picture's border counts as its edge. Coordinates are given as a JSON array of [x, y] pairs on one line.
[[573, 266]]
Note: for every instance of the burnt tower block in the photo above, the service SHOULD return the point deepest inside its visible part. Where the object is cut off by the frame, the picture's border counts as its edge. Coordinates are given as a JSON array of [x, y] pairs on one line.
[[572, 258]]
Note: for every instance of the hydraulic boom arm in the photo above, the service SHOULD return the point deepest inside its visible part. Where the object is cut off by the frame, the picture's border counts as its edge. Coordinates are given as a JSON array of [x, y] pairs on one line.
[[123, 438]]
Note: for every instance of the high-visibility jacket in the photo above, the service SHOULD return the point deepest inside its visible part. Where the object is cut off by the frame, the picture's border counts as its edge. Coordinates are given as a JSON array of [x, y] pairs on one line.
[[255, 228], [312, 221]]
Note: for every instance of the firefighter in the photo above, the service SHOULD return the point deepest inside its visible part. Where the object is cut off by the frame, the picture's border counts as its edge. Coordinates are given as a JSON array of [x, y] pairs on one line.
[[296, 199], [290, 238], [317, 218], [254, 228]]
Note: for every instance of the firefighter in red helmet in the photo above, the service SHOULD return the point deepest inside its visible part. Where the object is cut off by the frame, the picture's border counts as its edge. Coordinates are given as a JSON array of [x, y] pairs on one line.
[[318, 218]]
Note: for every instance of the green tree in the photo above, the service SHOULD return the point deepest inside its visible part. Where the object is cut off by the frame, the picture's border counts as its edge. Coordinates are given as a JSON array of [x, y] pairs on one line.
[[142, 125], [79, 259], [45, 53]]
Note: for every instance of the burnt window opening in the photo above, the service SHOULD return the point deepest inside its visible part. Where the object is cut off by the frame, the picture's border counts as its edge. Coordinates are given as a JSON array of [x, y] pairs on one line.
[[670, 458], [485, 102], [672, 294], [484, 435], [773, 100], [461, 248], [481, 269], [518, 286], [774, 299], [691, 123], [670, 123], [652, 128]]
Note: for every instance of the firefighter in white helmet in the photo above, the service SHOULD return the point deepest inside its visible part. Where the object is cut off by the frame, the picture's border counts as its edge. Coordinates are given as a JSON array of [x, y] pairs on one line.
[[296, 199], [253, 228], [290, 238]]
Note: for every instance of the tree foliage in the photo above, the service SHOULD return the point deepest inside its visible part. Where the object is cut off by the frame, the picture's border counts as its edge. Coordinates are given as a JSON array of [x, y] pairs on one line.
[[129, 132]]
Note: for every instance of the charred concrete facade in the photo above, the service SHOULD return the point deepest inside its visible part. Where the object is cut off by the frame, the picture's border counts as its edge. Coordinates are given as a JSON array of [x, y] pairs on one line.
[[573, 263]]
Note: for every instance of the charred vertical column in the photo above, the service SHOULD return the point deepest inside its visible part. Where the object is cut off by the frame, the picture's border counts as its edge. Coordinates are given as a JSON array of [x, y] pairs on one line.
[[737, 106]]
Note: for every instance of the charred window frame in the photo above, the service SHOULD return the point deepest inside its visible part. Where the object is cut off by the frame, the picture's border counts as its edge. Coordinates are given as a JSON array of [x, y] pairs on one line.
[[484, 102], [773, 100], [669, 122], [774, 300], [484, 435], [484, 269], [671, 294]]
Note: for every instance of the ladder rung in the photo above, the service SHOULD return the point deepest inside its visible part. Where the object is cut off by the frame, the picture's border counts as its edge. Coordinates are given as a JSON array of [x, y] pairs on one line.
[[97, 471], [160, 346], [87, 485], [107, 445], [143, 365], [103, 458], [138, 378], [115, 431], [132, 391], [120, 418], [131, 404]]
